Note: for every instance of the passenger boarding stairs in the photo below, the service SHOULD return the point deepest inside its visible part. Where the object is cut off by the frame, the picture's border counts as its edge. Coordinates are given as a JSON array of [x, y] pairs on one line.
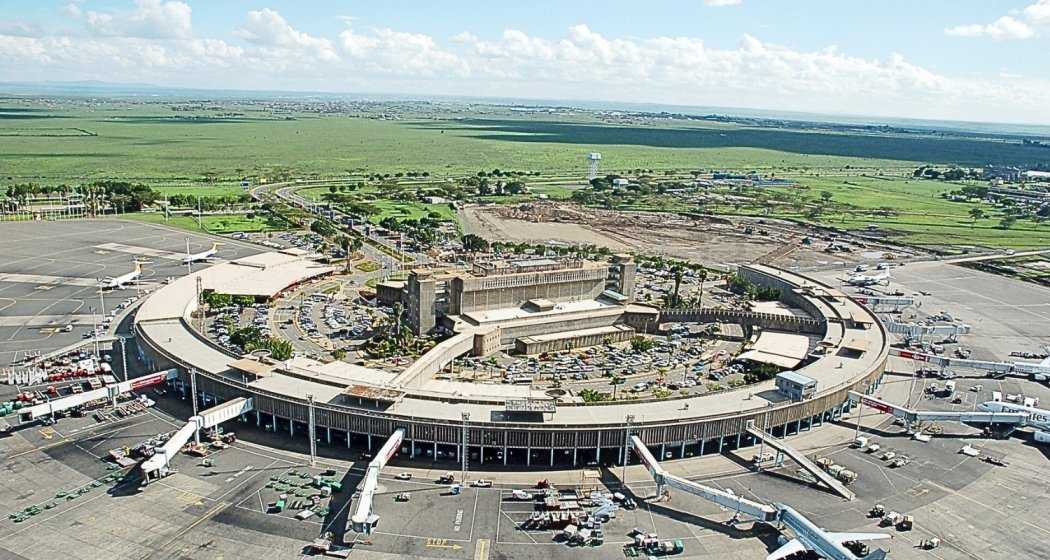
[[780, 445]]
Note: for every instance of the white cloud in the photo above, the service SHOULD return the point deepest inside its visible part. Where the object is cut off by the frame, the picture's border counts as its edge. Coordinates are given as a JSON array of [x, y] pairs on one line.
[[1009, 27], [582, 63], [721, 3], [386, 51], [151, 19], [269, 29], [1006, 27], [1038, 13]]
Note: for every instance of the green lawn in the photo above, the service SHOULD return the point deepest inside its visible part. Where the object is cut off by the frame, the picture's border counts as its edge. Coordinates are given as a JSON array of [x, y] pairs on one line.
[[199, 190], [214, 224], [921, 217], [148, 141], [400, 210]]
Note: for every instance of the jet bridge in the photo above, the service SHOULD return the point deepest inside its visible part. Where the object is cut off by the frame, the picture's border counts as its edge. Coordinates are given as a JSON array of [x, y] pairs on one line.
[[912, 416], [1037, 371], [159, 464], [808, 536], [109, 392], [761, 512], [364, 519], [920, 331], [897, 302], [831, 482]]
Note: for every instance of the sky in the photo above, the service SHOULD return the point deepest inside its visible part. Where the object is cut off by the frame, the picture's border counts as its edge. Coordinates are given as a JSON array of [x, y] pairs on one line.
[[970, 60]]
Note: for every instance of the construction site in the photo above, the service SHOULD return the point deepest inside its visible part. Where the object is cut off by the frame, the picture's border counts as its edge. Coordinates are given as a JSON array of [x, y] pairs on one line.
[[714, 241]]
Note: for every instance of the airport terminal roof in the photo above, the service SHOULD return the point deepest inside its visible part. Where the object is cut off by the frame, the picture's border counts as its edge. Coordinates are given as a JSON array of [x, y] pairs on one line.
[[610, 329], [434, 398], [518, 313], [262, 275]]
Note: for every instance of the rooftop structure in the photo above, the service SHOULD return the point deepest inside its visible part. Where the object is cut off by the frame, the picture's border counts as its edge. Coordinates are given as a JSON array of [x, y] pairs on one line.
[[365, 403]]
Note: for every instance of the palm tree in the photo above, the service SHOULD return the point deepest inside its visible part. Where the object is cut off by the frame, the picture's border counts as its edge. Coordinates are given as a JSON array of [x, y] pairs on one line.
[[678, 273], [702, 274]]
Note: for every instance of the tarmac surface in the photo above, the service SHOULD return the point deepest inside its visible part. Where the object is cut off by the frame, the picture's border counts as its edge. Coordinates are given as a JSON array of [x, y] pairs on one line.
[[49, 273], [978, 510]]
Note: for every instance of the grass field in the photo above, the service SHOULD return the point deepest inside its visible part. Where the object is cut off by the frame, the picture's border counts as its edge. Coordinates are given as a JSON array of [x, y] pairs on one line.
[[214, 224], [147, 142], [922, 216], [199, 190], [410, 211]]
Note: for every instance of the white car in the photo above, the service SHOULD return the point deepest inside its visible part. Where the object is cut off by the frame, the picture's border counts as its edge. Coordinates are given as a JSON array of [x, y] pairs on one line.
[[481, 483], [403, 476]]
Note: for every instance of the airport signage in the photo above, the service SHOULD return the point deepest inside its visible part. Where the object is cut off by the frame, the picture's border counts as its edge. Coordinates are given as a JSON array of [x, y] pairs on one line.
[[877, 405], [530, 405], [149, 380]]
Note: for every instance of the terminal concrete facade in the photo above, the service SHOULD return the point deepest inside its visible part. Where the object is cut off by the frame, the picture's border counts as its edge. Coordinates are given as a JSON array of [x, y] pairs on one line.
[[360, 407], [430, 296]]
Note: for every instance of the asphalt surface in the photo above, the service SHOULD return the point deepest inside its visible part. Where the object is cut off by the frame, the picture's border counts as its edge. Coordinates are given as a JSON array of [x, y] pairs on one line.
[[50, 270], [980, 511]]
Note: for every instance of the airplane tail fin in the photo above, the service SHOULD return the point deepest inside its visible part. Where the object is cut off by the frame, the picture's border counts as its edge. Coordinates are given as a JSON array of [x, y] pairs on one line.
[[877, 554]]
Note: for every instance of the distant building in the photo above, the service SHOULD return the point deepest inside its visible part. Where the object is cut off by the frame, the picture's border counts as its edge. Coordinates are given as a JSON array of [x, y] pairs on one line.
[[1004, 172]]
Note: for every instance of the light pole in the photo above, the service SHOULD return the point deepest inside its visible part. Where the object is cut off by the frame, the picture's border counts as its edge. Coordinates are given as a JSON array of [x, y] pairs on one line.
[[312, 430], [193, 399], [123, 356], [626, 449], [463, 445]]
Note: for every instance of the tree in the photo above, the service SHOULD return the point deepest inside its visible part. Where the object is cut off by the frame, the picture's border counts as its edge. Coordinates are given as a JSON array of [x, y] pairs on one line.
[[1007, 222], [642, 344], [702, 275], [678, 271], [217, 300], [825, 196], [474, 243], [976, 213]]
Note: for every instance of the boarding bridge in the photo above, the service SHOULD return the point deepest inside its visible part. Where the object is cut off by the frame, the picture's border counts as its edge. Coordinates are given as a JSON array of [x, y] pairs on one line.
[[808, 536], [896, 302], [364, 519], [1037, 371], [728, 500], [912, 416], [915, 330], [159, 464], [823, 476], [53, 406]]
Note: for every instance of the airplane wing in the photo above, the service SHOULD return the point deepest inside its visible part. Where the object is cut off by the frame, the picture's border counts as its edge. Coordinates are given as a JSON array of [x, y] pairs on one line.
[[846, 537], [794, 546], [1045, 362]]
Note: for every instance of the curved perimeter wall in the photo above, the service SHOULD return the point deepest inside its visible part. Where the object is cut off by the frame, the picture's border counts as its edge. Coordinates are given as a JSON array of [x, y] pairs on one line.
[[575, 435]]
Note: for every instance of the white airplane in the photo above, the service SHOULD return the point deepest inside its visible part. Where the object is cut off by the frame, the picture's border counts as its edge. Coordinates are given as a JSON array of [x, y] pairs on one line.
[[809, 537], [202, 256], [866, 280], [118, 283], [1038, 418]]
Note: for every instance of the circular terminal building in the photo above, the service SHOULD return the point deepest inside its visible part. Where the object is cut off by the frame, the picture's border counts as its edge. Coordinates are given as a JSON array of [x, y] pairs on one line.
[[829, 343]]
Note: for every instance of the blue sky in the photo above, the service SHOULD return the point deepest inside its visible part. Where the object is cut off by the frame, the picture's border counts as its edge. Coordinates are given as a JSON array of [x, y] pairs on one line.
[[979, 60]]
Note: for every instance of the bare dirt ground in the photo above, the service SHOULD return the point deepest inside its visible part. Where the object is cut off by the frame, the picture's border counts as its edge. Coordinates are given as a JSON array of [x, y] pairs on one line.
[[712, 241]]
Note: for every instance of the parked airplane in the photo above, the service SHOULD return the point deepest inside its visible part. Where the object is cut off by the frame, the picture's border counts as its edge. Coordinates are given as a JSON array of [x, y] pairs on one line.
[[809, 537], [1038, 418], [118, 283], [202, 256], [866, 280]]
